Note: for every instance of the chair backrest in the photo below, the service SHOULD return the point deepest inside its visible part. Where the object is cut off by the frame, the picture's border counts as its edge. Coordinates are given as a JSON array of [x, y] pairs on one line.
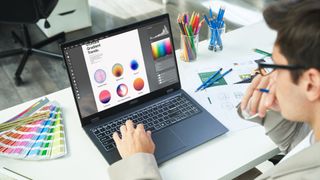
[[25, 11]]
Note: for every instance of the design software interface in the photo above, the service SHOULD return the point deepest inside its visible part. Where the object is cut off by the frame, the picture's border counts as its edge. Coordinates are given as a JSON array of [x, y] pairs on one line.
[[117, 68]]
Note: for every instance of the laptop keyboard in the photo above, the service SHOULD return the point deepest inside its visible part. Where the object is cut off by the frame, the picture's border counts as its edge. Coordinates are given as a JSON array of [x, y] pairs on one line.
[[154, 118]]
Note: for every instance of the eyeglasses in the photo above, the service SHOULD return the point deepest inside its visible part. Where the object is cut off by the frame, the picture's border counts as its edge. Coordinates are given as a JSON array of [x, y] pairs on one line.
[[266, 69]]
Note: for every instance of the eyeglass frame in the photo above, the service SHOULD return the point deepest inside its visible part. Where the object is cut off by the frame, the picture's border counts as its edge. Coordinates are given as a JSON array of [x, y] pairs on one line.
[[263, 72]]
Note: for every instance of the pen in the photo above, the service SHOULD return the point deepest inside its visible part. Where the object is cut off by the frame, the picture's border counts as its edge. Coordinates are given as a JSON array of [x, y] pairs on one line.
[[221, 76], [16, 173], [247, 80], [209, 79], [263, 90], [262, 52]]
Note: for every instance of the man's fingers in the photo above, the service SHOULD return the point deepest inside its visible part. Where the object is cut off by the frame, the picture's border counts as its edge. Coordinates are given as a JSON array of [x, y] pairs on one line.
[[140, 127], [262, 106], [116, 138], [123, 129], [129, 125], [262, 109], [150, 137], [256, 97], [270, 99], [250, 91]]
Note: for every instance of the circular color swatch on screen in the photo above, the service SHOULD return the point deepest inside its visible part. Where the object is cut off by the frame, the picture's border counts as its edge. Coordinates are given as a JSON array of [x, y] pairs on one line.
[[117, 70], [104, 96], [122, 90], [134, 65], [100, 76], [138, 84]]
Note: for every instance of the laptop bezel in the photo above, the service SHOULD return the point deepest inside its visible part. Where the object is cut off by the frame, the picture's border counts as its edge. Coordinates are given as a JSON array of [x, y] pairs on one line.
[[134, 102]]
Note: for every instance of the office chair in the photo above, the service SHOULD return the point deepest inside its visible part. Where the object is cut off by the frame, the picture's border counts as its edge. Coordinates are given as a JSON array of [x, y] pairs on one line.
[[25, 12]]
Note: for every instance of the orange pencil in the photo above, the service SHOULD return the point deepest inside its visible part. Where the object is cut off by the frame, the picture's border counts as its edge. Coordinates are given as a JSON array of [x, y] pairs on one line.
[[196, 24]]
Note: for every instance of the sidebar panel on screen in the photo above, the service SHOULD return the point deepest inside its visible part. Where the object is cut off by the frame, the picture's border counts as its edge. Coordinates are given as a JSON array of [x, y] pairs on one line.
[[158, 53], [80, 80]]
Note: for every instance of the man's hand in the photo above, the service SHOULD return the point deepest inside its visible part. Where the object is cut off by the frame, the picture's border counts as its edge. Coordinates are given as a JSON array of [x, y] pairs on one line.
[[255, 101], [134, 140]]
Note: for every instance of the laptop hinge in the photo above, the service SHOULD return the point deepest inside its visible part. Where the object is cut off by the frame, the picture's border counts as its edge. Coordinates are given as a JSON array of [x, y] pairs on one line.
[[95, 119], [169, 90]]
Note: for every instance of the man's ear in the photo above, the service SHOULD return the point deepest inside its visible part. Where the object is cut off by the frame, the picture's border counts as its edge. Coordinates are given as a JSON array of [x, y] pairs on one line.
[[311, 84]]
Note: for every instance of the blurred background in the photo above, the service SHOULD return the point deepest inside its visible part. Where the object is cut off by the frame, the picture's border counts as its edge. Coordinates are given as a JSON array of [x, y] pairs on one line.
[[43, 75]]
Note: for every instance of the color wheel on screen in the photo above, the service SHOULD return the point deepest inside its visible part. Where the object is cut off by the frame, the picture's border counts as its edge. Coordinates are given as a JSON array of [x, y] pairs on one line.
[[104, 96], [117, 70], [100, 76], [138, 84], [134, 64], [122, 90]]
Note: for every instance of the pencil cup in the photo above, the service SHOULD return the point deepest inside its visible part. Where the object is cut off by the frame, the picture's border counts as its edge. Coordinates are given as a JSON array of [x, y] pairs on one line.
[[189, 47], [215, 38]]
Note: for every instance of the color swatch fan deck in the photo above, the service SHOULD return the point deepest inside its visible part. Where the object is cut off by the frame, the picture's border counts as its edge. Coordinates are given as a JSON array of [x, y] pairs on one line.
[[35, 134]]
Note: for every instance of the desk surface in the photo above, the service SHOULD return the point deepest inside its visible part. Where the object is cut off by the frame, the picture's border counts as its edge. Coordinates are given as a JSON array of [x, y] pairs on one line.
[[224, 157]]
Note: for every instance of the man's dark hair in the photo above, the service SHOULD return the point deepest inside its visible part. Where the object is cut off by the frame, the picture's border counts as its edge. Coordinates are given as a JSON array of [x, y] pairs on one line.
[[298, 25]]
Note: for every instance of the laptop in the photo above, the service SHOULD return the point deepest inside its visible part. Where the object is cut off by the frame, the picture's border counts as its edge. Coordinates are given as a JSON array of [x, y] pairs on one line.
[[131, 73]]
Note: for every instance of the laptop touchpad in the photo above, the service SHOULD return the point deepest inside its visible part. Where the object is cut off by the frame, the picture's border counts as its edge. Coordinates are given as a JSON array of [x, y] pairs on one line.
[[166, 143]]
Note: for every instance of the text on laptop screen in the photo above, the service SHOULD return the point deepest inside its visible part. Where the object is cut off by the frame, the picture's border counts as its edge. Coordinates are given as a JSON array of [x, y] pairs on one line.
[[110, 70]]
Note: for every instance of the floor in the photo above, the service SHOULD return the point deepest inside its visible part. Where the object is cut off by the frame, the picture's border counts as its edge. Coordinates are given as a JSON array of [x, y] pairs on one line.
[[44, 75]]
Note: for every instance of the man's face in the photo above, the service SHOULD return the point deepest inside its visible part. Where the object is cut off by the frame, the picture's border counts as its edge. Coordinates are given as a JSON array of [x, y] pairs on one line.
[[289, 95]]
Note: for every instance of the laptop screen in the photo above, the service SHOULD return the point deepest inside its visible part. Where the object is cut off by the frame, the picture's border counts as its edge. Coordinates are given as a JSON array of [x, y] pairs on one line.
[[122, 65]]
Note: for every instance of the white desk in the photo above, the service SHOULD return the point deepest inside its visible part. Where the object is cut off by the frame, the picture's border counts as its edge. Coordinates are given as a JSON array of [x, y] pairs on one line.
[[224, 157]]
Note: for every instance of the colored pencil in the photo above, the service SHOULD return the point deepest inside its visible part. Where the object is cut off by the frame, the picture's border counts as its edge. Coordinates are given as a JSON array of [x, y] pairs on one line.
[[262, 52], [189, 29]]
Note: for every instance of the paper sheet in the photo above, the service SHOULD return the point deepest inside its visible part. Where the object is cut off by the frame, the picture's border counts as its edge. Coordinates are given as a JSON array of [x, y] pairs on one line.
[[225, 98], [222, 98]]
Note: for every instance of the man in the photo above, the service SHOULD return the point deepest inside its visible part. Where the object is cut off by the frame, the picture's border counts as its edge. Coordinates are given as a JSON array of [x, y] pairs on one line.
[[294, 91]]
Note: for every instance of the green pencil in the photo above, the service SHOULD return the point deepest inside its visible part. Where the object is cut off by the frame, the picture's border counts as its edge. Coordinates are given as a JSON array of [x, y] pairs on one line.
[[262, 52]]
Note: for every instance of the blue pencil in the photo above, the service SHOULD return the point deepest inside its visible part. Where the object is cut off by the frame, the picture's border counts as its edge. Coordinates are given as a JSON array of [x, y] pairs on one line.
[[209, 79], [210, 12], [263, 90], [207, 20], [217, 34], [221, 76], [220, 14]]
